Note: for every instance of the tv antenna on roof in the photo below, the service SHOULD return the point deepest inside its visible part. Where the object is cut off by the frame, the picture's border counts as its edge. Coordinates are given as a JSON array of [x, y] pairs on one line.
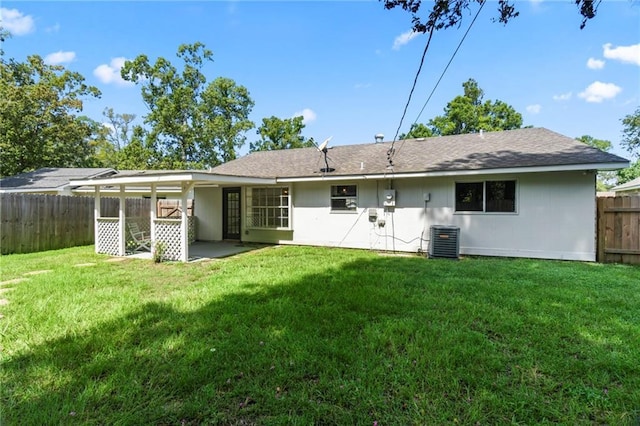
[[323, 148]]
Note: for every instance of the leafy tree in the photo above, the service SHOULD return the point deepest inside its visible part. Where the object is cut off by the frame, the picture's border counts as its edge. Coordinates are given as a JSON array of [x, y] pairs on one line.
[[630, 173], [417, 130], [448, 13], [604, 179], [468, 113], [137, 154], [104, 153], [601, 144], [631, 141], [4, 35], [114, 147], [39, 125], [121, 128], [192, 124], [631, 132], [232, 106], [279, 133]]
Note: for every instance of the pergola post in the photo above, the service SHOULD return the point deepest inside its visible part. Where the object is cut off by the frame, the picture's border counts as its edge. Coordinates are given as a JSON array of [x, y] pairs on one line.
[[184, 224], [96, 216], [121, 223], [153, 214]]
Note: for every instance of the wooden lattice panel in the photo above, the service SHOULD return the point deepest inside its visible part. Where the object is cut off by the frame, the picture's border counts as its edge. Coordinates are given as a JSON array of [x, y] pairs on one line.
[[107, 240]]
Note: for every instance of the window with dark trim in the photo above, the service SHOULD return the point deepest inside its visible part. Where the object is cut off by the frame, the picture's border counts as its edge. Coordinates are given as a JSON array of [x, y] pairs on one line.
[[344, 197], [268, 207], [488, 196]]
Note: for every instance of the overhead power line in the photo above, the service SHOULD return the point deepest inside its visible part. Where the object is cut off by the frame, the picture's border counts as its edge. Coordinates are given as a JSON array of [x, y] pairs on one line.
[[449, 63], [391, 151], [415, 81]]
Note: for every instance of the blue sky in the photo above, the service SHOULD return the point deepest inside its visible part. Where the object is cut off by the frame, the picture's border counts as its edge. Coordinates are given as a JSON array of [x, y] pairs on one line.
[[348, 66]]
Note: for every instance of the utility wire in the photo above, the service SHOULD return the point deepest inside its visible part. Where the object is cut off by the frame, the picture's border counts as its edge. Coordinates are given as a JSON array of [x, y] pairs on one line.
[[450, 60], [441, 76], [415, 81]]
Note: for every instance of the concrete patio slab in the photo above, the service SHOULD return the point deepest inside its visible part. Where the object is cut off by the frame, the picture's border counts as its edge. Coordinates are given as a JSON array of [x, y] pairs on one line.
[[208, 250], [201, 250]]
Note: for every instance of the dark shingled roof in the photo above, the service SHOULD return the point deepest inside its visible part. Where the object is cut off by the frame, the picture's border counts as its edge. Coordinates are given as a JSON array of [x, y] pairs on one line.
[[530, 147], [50, 179]]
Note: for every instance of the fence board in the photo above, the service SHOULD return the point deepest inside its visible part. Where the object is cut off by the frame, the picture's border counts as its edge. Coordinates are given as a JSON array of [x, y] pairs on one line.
[[37, 222], [618, 228]]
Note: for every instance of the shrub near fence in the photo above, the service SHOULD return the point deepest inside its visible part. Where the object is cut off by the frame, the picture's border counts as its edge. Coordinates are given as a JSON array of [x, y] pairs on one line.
[[35, 222]]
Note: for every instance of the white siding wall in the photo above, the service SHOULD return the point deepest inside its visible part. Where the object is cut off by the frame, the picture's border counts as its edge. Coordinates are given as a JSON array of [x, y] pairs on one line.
[[208, 210], [555, 217]]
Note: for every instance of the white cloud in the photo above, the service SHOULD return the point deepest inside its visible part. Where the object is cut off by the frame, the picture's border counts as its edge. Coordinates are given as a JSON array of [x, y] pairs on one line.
[[53, 29], [16, 22], [628, 54], [308, 115], [59, 58], [362, 85], [595, 64], [404, 38], [562, 96], [599, 91], [534, 109], [111, 73]]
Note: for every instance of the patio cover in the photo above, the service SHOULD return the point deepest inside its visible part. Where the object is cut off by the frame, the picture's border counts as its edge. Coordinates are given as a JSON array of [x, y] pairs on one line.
[[110, 234]]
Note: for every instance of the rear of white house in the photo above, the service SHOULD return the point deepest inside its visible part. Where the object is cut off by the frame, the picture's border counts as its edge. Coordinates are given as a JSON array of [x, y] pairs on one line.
[[553, 215], [519, 193]]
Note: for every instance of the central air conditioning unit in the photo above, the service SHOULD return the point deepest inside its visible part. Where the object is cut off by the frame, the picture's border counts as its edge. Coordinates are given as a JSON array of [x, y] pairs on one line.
[[445, 242]]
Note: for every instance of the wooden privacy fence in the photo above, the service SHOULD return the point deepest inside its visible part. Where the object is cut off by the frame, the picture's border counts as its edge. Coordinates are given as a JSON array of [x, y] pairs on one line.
[[618, 238], [171, 208], [35, 222]]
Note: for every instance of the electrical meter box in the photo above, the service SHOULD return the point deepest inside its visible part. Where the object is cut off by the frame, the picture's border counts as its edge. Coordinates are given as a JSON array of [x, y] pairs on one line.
[[373, 215], [389, 198]]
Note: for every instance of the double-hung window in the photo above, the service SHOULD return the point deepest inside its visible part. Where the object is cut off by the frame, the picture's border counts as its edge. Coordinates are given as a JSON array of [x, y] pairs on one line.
[[495, 196], [268, 207], [344, 197]]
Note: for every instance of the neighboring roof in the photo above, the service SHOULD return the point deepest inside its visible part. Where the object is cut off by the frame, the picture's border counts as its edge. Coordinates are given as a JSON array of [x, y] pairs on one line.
[[50, 179], [632, 185], [521, 148]]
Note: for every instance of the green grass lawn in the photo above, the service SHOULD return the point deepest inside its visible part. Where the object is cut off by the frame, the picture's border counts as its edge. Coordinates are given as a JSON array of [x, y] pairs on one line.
[[294, 335]]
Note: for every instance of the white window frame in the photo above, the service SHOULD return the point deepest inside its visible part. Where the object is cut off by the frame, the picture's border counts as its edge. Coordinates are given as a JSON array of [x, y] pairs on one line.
[[484, 196], [261, 214]]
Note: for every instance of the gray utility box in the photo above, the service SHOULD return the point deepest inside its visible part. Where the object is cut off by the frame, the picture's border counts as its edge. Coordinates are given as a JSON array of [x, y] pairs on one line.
[[445, 242]]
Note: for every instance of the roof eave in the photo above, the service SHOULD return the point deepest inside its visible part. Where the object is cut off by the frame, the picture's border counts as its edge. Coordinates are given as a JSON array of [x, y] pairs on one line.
[[470, 172], [171, 178]]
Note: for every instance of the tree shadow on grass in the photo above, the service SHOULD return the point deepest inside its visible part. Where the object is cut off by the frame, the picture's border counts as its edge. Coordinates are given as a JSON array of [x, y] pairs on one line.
[[393, 340]]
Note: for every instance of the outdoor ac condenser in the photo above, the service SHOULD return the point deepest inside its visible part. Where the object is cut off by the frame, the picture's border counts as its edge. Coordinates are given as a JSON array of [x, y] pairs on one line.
[[445, 242]]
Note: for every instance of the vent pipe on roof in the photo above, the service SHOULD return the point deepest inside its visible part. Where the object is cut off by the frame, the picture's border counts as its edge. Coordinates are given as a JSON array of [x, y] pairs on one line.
[[379, 137]]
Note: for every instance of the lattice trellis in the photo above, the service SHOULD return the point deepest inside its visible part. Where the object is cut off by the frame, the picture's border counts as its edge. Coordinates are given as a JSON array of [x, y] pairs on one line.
[[107, 239], [192, 229], [168, 233]]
